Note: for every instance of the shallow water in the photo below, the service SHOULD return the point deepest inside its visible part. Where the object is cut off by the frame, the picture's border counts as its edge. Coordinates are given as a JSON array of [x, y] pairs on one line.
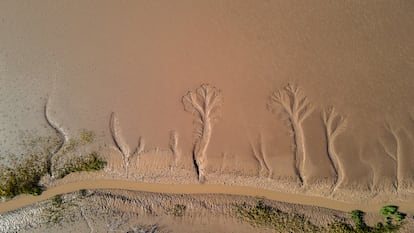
[[139, 58]]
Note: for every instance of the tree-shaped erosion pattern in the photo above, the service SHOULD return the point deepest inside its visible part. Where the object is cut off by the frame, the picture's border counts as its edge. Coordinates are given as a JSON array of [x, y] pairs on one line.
[[334, 124], [205, 104], [294, 104]]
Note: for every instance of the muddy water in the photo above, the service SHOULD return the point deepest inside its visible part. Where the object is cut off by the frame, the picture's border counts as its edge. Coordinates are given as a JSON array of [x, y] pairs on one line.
[[138, 58], [22, 201]]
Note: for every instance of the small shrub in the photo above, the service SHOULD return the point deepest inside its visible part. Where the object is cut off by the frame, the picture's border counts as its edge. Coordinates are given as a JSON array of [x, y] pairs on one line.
[[399, 217], [83, 193], [57, 200], [178, 210], [358, 217], [393, 218], [389, 210]]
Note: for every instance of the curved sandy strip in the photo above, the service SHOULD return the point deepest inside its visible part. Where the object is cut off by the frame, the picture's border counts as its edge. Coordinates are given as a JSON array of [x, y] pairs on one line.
[[26, 200]]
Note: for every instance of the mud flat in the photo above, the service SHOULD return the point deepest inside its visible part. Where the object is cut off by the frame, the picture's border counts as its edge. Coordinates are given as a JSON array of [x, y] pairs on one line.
[[308, 102], [312, 92]]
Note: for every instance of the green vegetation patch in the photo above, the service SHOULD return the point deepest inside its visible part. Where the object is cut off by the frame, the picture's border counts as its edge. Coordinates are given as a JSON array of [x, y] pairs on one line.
[[394, 220], [23, 178], [266, 216], [261, 215], [92, 162]]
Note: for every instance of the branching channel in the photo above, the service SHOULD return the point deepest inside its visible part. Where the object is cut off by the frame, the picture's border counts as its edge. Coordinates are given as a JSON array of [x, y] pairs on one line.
[[205, 104], [295, 105]]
